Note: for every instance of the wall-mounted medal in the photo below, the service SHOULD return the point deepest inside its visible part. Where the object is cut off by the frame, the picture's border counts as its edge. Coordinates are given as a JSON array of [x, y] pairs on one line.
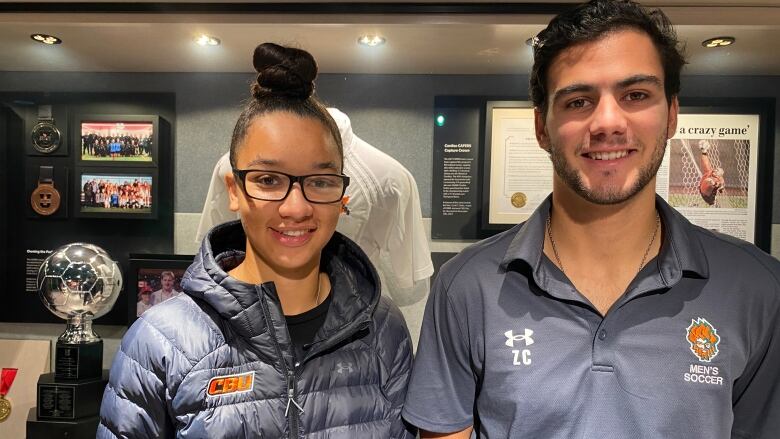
[[46, 136], [6, 379], [45, 199]]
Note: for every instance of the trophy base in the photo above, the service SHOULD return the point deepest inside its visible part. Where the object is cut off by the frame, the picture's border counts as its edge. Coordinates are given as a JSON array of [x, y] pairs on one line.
[[69, 400], [48, 429], [78, 361]]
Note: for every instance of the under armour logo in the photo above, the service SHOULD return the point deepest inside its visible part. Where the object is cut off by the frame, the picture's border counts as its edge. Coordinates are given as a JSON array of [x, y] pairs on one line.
[[511, 338], [345, 367]]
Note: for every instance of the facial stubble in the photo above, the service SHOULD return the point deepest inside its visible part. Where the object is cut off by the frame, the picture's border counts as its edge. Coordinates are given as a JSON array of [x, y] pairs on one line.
[[610, 194]]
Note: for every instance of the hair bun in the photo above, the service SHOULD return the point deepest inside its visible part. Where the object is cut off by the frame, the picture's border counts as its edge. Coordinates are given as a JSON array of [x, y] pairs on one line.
[[283, 71]]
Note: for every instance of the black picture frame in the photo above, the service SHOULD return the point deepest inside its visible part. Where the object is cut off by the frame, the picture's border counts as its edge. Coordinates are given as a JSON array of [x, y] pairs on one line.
[[764, 108], [144, 267], [82, 120], [488, 228], [81, 211]]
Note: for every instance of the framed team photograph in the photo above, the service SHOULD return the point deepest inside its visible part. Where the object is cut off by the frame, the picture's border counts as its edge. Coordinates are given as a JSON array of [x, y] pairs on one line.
[[109, 193], [117, 140], [152, 280]]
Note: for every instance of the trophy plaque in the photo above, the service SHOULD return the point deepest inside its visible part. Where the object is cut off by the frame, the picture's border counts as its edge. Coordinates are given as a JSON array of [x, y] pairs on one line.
[[78, 282]]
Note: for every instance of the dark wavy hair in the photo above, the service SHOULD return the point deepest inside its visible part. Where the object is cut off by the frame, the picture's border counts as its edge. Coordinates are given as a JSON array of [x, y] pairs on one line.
[[285, 82], [594, 20]]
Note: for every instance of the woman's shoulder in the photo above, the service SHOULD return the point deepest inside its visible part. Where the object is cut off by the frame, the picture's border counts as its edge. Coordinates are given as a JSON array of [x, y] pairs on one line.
[[389, 322], [179, 324]]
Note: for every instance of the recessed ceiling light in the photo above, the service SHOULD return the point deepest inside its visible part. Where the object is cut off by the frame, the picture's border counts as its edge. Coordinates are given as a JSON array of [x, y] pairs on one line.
[[207, 40], [371, 40], [46, 39], [718, 42]]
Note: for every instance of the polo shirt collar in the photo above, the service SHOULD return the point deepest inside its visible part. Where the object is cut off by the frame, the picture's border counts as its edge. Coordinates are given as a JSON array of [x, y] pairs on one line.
[[681, 250]]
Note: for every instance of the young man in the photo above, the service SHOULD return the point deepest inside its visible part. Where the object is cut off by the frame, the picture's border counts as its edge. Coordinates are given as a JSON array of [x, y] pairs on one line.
[[607, 313], [166, 291]]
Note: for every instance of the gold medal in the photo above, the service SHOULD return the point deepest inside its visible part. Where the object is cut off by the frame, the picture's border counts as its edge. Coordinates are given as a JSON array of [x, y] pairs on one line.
[[6, 379], [519, 199], [5, 408]]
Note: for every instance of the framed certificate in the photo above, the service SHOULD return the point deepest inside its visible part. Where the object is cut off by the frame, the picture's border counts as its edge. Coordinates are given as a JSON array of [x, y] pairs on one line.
[[517, 172]]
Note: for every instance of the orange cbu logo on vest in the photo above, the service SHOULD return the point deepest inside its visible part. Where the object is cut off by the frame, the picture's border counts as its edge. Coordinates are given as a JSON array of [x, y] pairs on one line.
[[229, 384]]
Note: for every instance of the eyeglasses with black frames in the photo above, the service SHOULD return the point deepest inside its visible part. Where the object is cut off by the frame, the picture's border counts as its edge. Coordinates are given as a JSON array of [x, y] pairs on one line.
[[276, 186]]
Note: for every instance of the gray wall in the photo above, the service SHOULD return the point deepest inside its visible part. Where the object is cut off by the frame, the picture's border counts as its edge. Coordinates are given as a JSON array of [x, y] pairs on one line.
[[392, 112]]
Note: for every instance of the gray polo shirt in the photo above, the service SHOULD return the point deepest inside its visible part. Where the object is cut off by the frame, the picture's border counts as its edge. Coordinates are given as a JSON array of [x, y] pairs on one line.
[[691, 350]]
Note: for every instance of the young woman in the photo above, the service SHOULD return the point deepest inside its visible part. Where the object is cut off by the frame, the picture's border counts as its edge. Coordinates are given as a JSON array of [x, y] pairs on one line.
[[282, 331]]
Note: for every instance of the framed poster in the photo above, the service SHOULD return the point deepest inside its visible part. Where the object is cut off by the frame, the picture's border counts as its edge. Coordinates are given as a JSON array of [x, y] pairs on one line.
[[116, 193], [117, 140], [152, 280], [518, 173], [715, 163]]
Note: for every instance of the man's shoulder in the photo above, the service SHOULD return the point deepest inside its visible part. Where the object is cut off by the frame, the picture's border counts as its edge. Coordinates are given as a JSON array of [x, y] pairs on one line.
[[733, 255]]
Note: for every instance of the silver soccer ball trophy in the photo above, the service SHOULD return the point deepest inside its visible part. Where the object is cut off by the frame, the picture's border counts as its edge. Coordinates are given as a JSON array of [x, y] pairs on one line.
[[79, 282]]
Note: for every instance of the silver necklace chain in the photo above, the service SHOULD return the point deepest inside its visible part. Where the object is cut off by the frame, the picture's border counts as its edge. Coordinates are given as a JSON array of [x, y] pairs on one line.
[[644, 257]]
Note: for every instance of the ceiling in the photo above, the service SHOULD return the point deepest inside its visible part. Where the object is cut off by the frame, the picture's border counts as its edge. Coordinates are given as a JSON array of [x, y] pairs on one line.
[[475, 38]]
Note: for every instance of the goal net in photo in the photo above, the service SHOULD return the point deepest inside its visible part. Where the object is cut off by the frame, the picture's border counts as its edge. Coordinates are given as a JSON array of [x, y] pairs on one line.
[[685, 172]]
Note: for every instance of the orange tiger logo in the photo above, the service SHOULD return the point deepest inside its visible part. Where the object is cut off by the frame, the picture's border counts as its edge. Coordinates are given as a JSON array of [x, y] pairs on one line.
[[704, 339]]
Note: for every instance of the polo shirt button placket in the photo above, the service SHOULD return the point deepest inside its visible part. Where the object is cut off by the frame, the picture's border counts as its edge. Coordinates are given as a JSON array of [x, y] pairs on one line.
[[601, 357]]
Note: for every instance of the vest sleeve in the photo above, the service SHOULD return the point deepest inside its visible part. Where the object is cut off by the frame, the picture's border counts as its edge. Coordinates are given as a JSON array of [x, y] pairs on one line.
[[395, 350], [134, 401]]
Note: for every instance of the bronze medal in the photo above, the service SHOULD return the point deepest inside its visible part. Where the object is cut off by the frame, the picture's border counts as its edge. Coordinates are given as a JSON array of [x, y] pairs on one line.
[[45, 199], [519, 199], [5, 408]]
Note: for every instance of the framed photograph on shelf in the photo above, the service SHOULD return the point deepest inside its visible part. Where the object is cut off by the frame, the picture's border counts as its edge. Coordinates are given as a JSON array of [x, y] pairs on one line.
[[116, 193], [152, 280], [517, 172], [117, 140]]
